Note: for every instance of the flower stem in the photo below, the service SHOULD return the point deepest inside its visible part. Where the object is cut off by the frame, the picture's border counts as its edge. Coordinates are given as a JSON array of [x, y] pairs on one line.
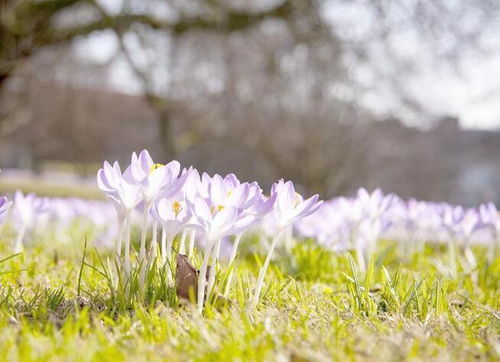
[[360, 255], [231, 261], [18, 244], [142, 249], [202, 277], [211, 277], [182, 242], [119, 241], [163, 246], [170, 241], [192, 238], [262, 273], [154, 242], [469, 255], [126, 225]]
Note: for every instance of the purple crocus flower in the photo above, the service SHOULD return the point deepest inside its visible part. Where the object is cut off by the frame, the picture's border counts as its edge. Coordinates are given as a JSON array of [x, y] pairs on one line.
[[191, 190], [4, 204], [125, 197], [219, 211], [229, 206], [154, 178], [365, 218], [490, 218], [257, 203], [374, 204], [327, 226], [173, 214], [290, 206], [214, 222], [413, 223], [461, 224], [25, 211], [124, 194], [253, 209]]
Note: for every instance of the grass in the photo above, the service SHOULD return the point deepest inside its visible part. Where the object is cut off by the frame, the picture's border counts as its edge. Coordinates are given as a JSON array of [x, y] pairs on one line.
[[50, 189], [57, 305]]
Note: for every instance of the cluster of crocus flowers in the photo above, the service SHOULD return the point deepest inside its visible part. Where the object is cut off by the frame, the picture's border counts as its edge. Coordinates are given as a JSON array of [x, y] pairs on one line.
[[351, 223], [211, 207], [34, 218], [358, 223], [169, 203]]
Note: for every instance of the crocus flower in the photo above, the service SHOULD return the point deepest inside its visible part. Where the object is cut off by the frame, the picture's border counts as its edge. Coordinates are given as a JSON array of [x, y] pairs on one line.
[[253, 209], [364, 217], [327, 226], [461, 224], [26, 209], [125, 197], [154, 179], [413, 222], [214, 222], [173, 214], [191, 190], [219, 211], [115, 185], [490, 218], [288, 208], [4, 205]]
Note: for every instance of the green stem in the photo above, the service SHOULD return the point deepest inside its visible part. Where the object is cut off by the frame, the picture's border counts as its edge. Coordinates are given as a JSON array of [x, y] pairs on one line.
[[231, 261], [262, 273], [142, 250], [182, 242], [202, 277], [192, 239], [211, 277]]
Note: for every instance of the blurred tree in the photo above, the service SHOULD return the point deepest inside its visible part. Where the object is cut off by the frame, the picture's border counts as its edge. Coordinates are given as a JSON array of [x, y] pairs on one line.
[[284, 79], [28, 25]]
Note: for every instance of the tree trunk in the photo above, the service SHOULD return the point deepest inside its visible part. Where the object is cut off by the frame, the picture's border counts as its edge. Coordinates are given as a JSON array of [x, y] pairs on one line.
[[3, 77], [166, 134]]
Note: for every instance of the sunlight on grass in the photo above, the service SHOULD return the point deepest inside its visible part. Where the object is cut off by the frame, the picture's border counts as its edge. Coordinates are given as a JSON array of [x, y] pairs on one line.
[[316, 306]]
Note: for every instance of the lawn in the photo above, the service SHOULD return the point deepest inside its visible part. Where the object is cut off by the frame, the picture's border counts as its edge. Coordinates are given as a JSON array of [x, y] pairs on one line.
[[56, 304]]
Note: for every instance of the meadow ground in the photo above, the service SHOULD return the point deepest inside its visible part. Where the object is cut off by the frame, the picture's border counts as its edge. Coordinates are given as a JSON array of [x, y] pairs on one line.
[[56, 306]]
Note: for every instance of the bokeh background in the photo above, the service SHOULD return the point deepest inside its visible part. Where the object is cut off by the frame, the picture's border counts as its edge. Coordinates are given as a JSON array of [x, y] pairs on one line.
[[333, 94]]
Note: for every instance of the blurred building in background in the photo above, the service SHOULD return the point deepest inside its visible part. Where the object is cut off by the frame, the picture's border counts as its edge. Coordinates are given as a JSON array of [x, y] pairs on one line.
[[332, 94]]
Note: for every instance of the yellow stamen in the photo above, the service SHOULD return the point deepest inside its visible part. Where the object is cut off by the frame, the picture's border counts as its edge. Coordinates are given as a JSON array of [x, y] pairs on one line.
[[219, 208], [298, 198], [155, 166], [176, 208]]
